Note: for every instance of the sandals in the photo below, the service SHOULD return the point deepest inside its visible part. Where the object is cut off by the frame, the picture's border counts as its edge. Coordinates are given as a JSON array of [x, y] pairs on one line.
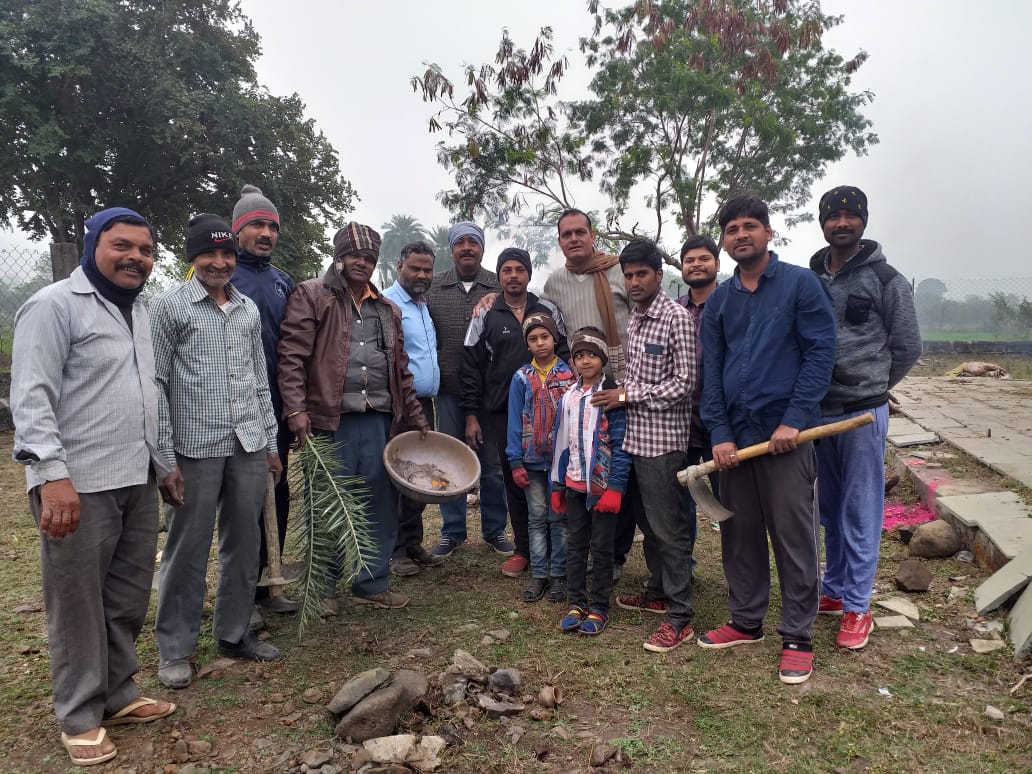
[[70, 744], [572, 620], [125, 716], [594, 624]]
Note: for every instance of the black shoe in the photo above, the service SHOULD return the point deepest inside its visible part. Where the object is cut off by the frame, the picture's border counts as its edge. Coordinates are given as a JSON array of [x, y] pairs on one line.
[[250, 648], [535, 589], [422, 557], [278, 604], [557, 592]]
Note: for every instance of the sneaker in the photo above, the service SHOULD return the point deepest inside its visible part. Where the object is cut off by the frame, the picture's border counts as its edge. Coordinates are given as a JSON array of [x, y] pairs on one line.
[[727, 636], [535, 589], [250, 648], [404, 567], [796, 665], [829, 606], [594, 624], [572, 620], [424, 558], [666, 637], [385, 600], [855, 630], [643, 604], [557, 591], [501, 544], [515, 566], [446, 547]]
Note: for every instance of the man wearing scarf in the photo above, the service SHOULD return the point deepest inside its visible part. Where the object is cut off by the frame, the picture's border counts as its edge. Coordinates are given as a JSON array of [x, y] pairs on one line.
[[256, 224], [343, 374], [85, 407]]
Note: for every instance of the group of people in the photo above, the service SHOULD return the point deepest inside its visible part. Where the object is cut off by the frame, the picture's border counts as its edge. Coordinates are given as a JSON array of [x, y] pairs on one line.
[[580, 435]]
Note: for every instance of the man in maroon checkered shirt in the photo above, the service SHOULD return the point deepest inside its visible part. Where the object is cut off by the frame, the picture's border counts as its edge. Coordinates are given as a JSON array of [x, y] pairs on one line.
[[657, 391]]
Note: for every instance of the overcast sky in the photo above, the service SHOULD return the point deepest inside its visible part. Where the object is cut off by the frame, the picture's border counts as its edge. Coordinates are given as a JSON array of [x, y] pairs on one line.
[[947, 183]]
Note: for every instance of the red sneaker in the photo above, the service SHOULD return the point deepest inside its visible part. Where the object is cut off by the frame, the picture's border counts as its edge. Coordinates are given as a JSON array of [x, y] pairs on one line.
[[643, 605], [515, 566], [855, 630], [796, 665], [727, 636], [829, 606], [666, 637]]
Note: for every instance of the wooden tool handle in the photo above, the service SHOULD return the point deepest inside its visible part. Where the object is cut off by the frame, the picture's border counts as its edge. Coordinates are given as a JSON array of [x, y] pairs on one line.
[[272, 547]]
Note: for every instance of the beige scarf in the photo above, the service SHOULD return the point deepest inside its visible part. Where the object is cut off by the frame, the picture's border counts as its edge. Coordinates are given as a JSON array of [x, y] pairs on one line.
[[599, 264]]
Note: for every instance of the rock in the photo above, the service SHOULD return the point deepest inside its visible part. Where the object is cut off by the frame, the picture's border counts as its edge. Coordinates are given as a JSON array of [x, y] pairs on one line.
[[377, 715], [912, 575], [470, 627], [513, 615], [425, 755], [315, 759], [515, 733], [505, 681], [470, 666], [499, 634], [453, 687], [181, 751], [487, 640], [993, 713], [900, 605], [934, 540], [893, 622], [291, 719], [413, 683], [35, 607], [356, 689], [390, 749], [906, 533], [419, 653], [263, 743], [312, 696], [601, 753], [389, 768], [987, 646], [329, 768], [191, 768], [540, 713], [146, 750], [498, 709], [199, 748], [214, 669]]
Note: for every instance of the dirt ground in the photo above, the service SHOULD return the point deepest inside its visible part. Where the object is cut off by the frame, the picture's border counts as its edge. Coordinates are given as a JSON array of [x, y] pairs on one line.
[[913, 700]]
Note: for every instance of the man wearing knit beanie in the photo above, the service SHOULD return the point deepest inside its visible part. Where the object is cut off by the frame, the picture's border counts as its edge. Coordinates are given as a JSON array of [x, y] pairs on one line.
[[208, 354], [878, 342], [256, 225]]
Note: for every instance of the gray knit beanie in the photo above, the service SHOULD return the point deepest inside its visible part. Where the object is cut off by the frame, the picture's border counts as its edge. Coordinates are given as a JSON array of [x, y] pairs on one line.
[[253, 206]]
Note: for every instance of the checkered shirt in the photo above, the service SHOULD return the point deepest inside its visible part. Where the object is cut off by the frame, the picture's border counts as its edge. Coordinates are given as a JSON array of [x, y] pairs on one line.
[[660, 379], [213, 386]]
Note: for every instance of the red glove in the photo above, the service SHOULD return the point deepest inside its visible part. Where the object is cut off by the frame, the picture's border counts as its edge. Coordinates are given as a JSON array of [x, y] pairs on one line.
[[521, 477], [559, 501], [609, 502]]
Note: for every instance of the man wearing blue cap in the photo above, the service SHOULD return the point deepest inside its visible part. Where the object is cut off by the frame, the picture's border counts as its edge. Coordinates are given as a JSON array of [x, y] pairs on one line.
[[86, 412], [451, 298]]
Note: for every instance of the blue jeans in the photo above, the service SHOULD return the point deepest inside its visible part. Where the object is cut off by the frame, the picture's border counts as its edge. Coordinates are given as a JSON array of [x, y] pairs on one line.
[[544, 526], [451, 419], [851, 499], [362, 437]]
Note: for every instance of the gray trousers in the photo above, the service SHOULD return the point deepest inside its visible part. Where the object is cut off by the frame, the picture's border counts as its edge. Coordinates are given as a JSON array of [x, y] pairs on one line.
[[772, 495], [96, 586], [669, 532], [234, 489]]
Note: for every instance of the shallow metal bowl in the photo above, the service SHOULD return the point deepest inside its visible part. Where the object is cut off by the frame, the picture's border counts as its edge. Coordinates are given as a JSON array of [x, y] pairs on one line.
[[435, 469]]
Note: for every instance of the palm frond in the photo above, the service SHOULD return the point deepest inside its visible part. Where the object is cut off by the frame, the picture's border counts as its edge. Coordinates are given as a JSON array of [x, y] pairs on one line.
[[330, 524]]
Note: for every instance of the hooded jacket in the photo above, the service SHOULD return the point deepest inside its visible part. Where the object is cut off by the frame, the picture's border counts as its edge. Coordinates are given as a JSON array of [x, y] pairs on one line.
[[878, 335]]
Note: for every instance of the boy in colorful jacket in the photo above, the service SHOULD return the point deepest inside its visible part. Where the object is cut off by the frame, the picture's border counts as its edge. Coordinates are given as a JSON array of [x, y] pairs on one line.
[[589, 477], [534, 393]]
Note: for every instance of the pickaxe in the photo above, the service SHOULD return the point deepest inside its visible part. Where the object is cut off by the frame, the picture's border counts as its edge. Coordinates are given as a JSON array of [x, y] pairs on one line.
[[272, 575], [694, 476]]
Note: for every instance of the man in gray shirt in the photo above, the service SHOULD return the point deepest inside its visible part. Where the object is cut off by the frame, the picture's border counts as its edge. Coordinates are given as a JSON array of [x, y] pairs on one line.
[[85, 409], [217, 432]]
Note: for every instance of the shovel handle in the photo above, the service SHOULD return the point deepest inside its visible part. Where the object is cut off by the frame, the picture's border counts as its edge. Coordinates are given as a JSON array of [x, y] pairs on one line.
[[272, 547]]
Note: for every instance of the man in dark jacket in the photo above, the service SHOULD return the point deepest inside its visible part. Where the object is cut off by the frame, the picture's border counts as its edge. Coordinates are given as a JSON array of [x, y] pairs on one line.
[[494, 348], [256, 225], [343, 373], [878, 342]]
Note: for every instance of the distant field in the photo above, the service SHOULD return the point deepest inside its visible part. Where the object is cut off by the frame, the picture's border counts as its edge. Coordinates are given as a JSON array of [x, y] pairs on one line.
[[961, 335], [937, 364]]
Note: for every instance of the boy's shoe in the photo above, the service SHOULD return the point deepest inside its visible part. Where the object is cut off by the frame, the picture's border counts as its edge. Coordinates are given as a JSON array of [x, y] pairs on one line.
[[855, 630], [446, 547], [573, 618], [796, 665], [557, 591], [535, 589], [515, 566], [501, 544], [385, 600], [666, 637], [594, 624], [829, 606], [727, 636], [422, 557], [642, 604]]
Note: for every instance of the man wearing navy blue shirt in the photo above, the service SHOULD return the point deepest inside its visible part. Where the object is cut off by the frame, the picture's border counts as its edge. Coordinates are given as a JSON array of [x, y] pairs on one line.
[[415, 275], [768, 343], [256, 226]]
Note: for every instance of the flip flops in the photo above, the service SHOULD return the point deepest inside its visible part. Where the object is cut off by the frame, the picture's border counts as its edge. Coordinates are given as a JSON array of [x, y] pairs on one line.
[[70, 744], [125, 716]]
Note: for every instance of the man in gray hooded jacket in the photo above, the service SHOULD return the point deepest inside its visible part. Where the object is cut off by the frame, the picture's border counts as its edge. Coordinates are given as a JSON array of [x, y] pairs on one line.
[[878, 342]]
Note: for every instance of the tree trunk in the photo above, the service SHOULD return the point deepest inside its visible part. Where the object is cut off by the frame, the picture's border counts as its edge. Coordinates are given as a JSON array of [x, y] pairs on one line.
[[64, 257]]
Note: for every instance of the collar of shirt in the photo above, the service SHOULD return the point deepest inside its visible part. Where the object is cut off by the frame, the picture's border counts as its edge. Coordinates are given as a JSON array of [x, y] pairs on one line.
[[542, 371], [653, 308], [397, 293], [769, 272], [197, 292], [451, 277]]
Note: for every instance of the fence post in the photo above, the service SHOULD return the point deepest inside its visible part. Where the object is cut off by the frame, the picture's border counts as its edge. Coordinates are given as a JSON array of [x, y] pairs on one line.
[[63, 259]]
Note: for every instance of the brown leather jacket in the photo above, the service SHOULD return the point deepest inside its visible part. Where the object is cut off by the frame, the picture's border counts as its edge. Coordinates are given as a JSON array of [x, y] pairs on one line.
[[313, 355]]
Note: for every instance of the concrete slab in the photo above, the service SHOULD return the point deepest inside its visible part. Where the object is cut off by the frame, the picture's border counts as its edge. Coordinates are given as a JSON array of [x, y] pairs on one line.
[[902, 426], [900, 605], [893, 622], [1002, 516], [1004, 583], [1020, 621], [913, 439], [986, 646]]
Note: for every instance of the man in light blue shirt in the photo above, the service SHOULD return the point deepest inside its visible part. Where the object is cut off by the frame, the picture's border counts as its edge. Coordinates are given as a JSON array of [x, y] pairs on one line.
[[415, 273]]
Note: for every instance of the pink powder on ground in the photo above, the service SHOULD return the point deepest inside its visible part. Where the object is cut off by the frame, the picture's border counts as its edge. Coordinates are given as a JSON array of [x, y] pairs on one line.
[[895, 515]]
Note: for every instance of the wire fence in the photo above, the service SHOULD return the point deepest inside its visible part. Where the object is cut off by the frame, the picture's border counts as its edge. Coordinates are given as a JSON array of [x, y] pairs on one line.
[[979, 309], [23, 271]]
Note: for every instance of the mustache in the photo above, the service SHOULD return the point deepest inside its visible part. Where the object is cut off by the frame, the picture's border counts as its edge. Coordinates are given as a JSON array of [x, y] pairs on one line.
[[467, 254]]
